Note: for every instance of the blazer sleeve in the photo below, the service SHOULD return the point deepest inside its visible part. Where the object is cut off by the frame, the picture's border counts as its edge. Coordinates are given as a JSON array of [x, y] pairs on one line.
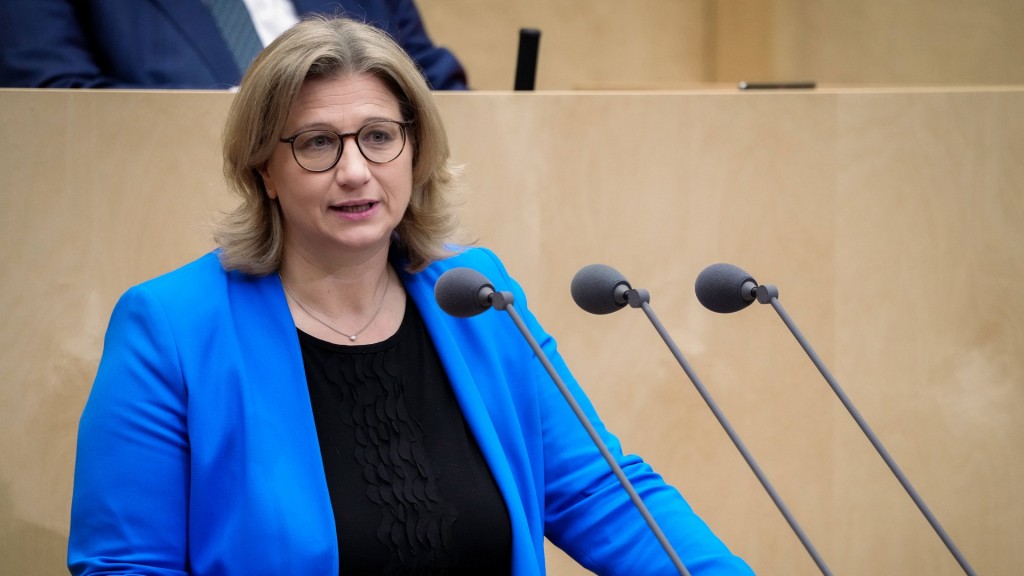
[[587, 511], [128, 513], [440, 67]]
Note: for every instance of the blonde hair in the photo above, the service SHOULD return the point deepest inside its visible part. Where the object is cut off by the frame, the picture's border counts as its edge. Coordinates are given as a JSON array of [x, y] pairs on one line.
[[250, 236]]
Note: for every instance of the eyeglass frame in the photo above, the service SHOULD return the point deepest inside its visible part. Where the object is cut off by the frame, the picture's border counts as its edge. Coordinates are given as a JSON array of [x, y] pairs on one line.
[[402, 125]]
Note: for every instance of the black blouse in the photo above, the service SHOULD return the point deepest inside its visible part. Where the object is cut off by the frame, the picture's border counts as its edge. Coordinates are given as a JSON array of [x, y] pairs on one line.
[[410, 489]]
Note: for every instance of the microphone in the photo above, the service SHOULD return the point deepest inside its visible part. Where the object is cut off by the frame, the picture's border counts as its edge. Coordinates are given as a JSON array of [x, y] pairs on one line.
[[526, 59], [726, 288], [464, 292], [600, 289]]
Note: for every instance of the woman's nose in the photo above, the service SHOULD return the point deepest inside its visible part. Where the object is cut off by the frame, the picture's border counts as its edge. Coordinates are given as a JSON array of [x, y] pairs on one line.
[[352, 167]]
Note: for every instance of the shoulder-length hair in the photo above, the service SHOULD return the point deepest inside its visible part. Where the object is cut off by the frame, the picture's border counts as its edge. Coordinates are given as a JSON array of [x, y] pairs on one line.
[[250, 236]]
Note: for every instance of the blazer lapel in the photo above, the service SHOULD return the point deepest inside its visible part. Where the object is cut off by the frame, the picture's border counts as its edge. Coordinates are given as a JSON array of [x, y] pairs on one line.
[[269, 347], [420, 287]]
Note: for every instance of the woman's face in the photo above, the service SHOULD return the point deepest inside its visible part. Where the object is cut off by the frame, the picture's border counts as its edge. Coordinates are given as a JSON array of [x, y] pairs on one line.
[[353, 207]]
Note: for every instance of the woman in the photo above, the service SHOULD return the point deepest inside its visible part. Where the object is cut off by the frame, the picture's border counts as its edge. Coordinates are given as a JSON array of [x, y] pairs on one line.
[[297, 403]]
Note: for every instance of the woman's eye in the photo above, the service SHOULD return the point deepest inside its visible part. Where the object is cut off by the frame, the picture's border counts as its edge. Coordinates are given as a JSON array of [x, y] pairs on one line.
[[377, 137], [314, 142]]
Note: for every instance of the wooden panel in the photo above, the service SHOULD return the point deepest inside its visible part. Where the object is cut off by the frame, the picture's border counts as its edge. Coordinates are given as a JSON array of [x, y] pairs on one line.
[[869, 42], [585, 44], [657, 44]]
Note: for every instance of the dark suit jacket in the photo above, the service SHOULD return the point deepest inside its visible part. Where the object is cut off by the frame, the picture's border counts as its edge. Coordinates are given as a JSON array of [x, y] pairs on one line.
[[169, 43]]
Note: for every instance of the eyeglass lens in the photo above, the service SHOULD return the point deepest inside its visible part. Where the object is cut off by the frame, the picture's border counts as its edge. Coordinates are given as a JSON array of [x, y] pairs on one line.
[[319, 150]]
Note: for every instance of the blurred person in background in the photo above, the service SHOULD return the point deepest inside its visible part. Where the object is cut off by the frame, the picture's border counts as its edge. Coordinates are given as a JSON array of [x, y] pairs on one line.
[[194, 44]]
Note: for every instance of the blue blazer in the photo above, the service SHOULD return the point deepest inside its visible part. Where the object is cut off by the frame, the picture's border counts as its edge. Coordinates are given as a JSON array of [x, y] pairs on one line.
[[169, 43], [198, 452]]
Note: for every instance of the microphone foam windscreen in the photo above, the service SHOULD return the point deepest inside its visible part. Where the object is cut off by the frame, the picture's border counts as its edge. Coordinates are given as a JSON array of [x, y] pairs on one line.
[[457, 292], [593, 288], [719, 286]]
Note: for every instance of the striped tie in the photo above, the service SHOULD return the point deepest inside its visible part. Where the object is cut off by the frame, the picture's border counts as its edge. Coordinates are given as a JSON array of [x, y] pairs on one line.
[[236, 25]]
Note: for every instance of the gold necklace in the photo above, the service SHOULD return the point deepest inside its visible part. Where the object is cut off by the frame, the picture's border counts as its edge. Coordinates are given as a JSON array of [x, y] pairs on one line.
[[351, 337]]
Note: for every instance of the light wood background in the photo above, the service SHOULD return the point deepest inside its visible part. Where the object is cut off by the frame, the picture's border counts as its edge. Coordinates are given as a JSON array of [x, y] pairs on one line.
[[890, 220], [658, 44]]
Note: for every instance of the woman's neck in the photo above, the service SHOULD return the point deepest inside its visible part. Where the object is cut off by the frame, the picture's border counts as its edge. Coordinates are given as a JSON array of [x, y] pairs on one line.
[[342, 287], [341, 299]]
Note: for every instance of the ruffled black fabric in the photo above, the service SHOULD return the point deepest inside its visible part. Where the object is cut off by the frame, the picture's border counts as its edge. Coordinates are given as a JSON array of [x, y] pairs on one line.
[[411, 491], [416, 523]]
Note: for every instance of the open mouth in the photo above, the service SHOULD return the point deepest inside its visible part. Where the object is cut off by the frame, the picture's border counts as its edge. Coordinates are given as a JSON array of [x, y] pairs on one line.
[[355, 208]]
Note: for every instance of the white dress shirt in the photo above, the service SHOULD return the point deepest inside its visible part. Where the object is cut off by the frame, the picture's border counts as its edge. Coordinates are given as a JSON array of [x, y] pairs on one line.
[[271, 17]]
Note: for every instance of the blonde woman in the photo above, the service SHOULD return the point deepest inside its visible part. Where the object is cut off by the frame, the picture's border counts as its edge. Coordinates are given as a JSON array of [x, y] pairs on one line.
[[296, 403]]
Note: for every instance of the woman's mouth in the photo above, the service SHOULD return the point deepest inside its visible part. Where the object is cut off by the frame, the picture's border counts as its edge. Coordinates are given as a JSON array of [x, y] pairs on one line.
[[357, 211], [355, 208]]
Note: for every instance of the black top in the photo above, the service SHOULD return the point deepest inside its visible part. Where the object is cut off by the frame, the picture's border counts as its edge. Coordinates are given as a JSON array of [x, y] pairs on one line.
[[410, 489]]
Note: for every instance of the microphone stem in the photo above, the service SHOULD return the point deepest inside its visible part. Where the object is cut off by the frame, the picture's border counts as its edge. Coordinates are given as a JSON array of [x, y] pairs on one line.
[[950, 545], [597, 440], [735, 439]]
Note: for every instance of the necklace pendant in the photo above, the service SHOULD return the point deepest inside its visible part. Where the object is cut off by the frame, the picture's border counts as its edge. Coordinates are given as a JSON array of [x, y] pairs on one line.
[[351, 337]]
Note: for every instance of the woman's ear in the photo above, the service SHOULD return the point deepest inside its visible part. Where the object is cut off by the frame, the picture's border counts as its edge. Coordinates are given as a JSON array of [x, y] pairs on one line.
[[264, 175]]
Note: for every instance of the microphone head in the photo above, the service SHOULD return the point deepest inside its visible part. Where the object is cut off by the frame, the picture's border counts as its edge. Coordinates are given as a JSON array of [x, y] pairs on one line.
[[463, 292], [599, 289], [720, 288]]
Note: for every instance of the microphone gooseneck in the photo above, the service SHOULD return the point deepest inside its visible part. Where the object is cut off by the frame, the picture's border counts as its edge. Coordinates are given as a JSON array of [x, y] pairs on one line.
[[600, 284], [769, 294], [463, 292], [724, 288]]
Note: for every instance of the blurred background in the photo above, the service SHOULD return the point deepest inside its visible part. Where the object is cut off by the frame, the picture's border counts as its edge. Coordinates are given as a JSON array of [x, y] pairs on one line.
[[670, 44], [889, 214]]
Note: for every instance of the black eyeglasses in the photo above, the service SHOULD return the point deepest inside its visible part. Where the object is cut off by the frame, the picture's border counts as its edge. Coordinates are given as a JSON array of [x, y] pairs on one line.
[[379, 142]]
